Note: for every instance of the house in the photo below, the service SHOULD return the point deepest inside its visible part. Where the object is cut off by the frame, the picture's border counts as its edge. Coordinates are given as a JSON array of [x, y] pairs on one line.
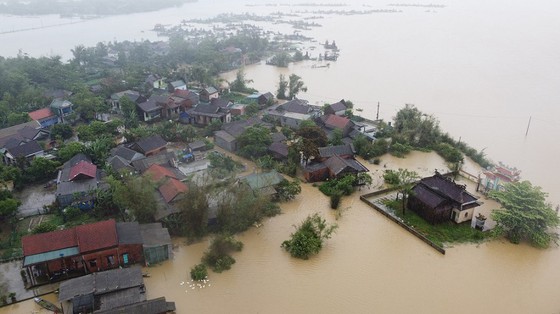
[[278, 150], [24, 152], [68, 253], [121, 158], [115, 99], [177, 85], [333, 162], [345, 151], [21, 135], [191, 99], [338, 108], [204, 114], [157, 245], [265, 99], [170, 187], [263, 183], [162, 159], [155, 81], [293, 113], [62, 108], [208, 94], [116, 291], [197, 146], [496, 178], [152, 108], [76, 182], [438, 199], [226, 138], [331, 122], [149, 146], [45, 117]]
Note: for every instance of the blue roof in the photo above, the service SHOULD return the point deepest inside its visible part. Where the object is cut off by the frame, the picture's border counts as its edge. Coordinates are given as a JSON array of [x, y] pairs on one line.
[[49, 256]]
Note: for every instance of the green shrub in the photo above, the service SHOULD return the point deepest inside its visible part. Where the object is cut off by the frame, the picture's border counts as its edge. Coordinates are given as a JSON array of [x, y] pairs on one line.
[[44, 227], [391, 177], [335, 200], [217, 256], [199, 272], [309, 237]]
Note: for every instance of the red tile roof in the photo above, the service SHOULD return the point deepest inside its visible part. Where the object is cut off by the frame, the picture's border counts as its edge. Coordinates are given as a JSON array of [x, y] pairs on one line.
[[157, 173], [41, 114], [83, 168], [50, 241], [335, 121], [170, 189], [96, 236], [90, 237]]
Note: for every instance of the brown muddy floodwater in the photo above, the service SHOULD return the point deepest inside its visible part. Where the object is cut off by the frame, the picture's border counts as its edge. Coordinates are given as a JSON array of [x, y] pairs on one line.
[[371, 265]]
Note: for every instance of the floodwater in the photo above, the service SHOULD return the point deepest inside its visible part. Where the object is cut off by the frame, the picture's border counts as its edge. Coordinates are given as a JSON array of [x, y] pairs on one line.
[[483, 69]]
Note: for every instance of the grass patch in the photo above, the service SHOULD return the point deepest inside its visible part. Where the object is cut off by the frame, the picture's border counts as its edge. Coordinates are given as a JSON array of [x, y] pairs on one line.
[[440, 234]]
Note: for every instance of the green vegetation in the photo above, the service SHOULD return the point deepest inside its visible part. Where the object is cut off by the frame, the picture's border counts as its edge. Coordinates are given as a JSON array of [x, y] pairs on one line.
[[218, 257], [136, 195], [44, 227], [403, 179], [525, 215], [440, 234], [199, 272], [287, 190], [416, 130], [254, 142], [309, 237], [290, 88]]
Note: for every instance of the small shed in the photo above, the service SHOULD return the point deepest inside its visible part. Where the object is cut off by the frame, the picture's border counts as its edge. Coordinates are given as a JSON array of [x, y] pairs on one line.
[[157, 243]]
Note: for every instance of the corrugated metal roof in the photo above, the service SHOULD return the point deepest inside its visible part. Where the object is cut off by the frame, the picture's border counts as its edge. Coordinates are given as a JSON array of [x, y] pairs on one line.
[[49, 256]]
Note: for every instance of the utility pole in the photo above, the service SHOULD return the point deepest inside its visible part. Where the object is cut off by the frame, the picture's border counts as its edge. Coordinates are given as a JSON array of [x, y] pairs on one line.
[[377, 116], [528, 125]]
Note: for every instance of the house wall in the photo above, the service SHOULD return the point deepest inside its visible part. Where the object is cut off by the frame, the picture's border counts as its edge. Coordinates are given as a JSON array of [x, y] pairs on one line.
[[134, 251], [155, 151], [464, 215], [290, 122], [229, 146], [432, 215], [101, 260], [49, 121], [318, 175]]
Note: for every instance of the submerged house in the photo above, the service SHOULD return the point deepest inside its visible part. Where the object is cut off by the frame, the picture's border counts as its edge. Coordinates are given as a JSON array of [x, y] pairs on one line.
[[438, 199], [333, 162], [114, 291], [496, 178], [80, 250]]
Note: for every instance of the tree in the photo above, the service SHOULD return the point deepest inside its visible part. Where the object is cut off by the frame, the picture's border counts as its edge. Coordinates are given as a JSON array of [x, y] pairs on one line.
[[295, 85], [254, 141], [415, 128], [41, 168], [525, 214], [336, 137], [63, 131], [128, 108], [286, 190], [310, 139], [282, 87], [217, 256], [8, 207], [194, 212], [405, 179], [70, 150], [240, 83], [137, 196], [309, 237]]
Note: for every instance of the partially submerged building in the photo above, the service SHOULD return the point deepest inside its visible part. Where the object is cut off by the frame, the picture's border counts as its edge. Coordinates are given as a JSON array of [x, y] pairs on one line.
[[113, 291], [438, 199]]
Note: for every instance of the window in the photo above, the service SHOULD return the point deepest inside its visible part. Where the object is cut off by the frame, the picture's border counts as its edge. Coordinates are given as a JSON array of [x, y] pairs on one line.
[[111, 260], [466, 214], [92, 263]]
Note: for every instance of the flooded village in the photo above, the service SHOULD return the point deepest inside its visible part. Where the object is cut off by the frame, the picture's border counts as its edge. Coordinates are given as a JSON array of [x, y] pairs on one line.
[[171, 175]]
